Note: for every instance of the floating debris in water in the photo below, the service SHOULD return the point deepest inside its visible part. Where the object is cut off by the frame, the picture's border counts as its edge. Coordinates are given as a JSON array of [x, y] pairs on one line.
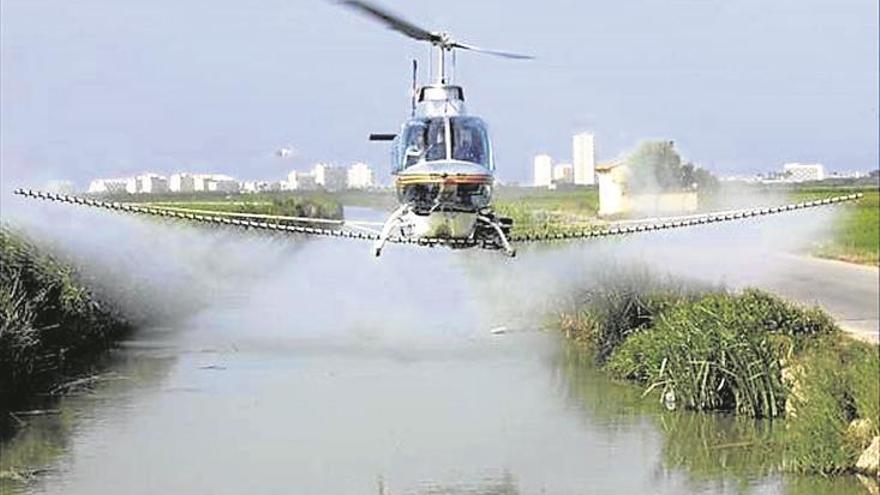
[[212, 367]]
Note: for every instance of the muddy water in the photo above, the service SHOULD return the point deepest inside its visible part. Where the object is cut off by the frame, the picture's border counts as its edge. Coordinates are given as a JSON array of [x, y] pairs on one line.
[[322, 370]]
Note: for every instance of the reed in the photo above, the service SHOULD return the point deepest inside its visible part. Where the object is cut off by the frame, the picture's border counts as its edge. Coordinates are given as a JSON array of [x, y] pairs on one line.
[[834, 406], [47, 319], [721, 352]]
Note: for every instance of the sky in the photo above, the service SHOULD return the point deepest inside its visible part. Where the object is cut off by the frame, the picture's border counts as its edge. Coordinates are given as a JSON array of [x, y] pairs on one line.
[[102, 88]]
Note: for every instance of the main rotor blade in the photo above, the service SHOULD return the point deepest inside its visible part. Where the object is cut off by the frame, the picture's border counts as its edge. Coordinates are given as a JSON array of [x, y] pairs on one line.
[[392, 21], [497, 53]]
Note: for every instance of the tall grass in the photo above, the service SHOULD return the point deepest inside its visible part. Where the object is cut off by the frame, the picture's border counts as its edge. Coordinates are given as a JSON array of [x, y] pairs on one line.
[[623, 303], [47, 319], [697, 346], [721, 352], [750, 353], [835, 407], [855, 236]]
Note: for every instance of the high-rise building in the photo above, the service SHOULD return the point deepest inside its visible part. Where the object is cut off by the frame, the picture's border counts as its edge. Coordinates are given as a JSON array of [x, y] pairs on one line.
[[543, 171], [360, 176], [563, 173], [584, 153]]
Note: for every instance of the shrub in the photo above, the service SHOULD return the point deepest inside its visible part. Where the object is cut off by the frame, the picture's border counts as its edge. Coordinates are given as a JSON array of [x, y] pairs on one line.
[[618, 307], [720, 352], [46, 317], [836, 385]]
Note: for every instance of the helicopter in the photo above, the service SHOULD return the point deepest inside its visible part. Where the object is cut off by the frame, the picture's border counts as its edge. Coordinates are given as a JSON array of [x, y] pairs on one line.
[[442, 159], [443, 166]]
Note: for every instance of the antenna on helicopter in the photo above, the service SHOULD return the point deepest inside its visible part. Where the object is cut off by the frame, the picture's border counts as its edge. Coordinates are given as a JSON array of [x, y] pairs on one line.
[[415, 74], [441, 40]]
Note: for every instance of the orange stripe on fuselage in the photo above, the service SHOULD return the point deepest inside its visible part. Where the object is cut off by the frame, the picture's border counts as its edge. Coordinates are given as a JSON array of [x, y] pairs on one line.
[[448, 179]]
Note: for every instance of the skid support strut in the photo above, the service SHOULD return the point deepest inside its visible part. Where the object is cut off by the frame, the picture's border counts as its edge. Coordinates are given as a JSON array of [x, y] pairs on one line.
[[501, 235], [392, 222]]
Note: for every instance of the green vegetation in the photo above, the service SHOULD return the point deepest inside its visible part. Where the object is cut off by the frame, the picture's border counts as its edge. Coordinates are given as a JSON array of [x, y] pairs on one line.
[[541, 211], [656, 166], [313, 204], [750, 353], [721, 351], [856, 235], [318, 207], [834, 407], [48, 320]]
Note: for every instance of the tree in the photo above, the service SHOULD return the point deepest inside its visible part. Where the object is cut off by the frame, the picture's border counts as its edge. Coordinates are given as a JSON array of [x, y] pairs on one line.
[[657, 167]]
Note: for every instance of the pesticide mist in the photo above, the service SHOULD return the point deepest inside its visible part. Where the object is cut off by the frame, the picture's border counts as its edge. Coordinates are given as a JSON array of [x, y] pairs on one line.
[[276, 364]]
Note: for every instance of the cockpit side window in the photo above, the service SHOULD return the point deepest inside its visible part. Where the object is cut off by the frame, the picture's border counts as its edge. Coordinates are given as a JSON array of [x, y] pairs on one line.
[[414, 142], [423, 140]]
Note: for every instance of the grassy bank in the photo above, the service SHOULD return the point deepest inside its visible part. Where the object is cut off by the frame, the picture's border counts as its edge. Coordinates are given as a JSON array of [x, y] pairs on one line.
[[749, 353], [856, 235], [49, 322]]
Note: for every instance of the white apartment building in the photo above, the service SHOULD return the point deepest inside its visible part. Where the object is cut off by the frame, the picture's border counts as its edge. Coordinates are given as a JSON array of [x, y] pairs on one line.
[[151, 184], [107, 186], [300, 181], [360, 176], [132, 185], [181, 182], [802, 172], [584, 158], [563, 173], [258, 186], [215, 183], [330, 177], [543, 171]]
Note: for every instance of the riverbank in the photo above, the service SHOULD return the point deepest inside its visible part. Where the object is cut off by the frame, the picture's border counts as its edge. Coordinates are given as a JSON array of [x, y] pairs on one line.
[[749, 353], [51, 325], [855, 238]]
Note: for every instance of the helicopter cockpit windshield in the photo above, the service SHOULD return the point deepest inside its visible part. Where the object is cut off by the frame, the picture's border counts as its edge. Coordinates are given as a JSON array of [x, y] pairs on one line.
[[429, 139]]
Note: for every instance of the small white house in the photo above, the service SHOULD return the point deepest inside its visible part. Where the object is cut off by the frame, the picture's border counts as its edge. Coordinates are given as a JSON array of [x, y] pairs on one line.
[[615, 197]]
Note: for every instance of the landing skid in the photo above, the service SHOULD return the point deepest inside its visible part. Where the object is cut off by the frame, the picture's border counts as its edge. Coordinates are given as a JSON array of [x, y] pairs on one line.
[[489, 232]]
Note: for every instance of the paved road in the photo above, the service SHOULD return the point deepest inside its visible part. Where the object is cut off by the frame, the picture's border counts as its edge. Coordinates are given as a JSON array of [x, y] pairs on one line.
[[849, 292], [757, 256]]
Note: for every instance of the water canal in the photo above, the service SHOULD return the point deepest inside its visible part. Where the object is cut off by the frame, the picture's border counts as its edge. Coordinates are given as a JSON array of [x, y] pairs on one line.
[[317, 369]]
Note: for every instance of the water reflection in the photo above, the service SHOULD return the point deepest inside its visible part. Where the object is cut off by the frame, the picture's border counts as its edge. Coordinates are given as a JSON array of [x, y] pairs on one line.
[[40, 443], [716, 452]]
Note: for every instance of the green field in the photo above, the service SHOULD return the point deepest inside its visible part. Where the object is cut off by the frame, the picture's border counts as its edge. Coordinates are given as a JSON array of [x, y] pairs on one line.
[[541, 211], [856, 235], [854, 238], [313, 205]]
